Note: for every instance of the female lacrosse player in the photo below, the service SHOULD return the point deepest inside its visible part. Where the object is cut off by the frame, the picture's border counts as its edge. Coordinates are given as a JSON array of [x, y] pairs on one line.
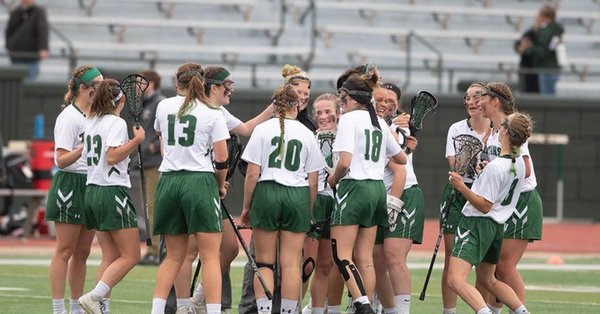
[[279, 193], [477, 126], [108, 207], [490, 202], [525, 224], [190, 127], [317, 247], [294, 76], [218, 86], [406, 214], [65, 205], [362, 144]]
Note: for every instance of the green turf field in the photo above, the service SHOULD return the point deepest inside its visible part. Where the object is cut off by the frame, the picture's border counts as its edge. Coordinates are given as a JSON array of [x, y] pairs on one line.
[[25, 289]]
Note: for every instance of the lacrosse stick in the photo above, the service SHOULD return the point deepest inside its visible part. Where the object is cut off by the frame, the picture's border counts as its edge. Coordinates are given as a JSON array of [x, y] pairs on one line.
[[133, 87], [421, 104], [250, 258], [467, 148]]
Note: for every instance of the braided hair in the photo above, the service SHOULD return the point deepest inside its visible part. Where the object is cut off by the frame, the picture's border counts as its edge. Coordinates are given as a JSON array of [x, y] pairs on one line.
[[284, 99], [519, 127]]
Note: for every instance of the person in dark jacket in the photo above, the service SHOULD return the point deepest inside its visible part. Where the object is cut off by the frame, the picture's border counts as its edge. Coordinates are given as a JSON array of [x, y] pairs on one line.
[[27, 36], [151, 156], [528, 80], [543, 49]]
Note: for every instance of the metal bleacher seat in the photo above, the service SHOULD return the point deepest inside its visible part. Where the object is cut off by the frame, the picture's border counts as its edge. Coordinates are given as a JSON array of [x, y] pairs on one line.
[[167, 7]]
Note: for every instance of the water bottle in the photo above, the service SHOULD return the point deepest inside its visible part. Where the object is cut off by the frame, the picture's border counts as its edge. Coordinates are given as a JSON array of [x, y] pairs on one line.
[[38, 126]]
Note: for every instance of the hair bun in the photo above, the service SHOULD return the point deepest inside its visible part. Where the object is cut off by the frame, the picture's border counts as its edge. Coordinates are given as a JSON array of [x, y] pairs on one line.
[[288, 70]]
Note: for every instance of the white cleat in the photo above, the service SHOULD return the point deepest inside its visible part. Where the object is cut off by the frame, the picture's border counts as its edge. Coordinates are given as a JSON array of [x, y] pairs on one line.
[[89, 304], [199, 303]]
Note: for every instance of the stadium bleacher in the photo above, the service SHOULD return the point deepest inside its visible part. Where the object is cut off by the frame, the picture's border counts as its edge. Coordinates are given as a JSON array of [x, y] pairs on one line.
[[475, 38]]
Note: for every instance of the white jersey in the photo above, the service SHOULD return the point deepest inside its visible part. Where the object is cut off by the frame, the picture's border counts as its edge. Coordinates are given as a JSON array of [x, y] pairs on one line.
[[68, 135], [499, 185], [230, 120], [368, 145], [102, 133], [456, 129], [188, 141], [290, 167], [493, 150], [411, 177]]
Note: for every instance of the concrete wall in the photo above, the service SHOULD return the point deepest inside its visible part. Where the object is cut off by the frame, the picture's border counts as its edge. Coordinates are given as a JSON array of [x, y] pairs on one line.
[[579, 118]]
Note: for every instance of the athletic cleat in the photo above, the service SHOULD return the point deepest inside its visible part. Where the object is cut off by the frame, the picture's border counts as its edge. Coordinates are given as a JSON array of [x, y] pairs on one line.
[[104, 307], [188, 309], [199, 303], [89, 305], [363, 308]]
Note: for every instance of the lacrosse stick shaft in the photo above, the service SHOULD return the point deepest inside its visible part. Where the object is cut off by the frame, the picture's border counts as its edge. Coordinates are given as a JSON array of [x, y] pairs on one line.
[[443, 216], [144, 198], [196, 274], [250, 258]]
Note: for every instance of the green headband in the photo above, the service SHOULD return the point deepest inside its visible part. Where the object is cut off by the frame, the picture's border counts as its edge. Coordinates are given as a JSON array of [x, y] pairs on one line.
[[87, 77], [222, 75]]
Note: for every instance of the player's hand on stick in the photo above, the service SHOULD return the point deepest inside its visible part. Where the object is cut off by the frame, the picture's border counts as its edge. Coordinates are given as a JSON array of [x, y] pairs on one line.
[[402, 120], [455, 179], [411, 143], [139, 134], [394, 207]]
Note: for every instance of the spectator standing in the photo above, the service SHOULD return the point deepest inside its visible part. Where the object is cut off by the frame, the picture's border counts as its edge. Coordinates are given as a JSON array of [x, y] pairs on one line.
[[528, 79], [27, 36], [543, 49], [151, 156]]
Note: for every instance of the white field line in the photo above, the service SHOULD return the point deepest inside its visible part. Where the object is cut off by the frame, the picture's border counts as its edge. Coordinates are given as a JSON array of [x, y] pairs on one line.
[[241, 263]]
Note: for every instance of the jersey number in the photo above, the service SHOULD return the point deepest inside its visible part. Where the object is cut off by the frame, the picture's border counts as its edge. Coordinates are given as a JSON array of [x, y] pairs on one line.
[[373, 147], [509, 197], [189, 127], [292, 154], [97, 142]]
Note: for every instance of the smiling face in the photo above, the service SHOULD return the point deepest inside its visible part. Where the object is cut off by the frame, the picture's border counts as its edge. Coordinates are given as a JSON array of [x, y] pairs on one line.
[[472, 99], [303, 91], [326, 114], [221, 94], [386, 102]]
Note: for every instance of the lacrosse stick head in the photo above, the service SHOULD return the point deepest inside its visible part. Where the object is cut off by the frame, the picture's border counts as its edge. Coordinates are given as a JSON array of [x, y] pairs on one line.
[[133, 87], [234, 149], [325, 139], [422, 103], [467, 148]]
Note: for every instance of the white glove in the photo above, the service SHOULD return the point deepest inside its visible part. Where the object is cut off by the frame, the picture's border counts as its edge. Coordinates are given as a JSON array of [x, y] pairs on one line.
[[394, 207]]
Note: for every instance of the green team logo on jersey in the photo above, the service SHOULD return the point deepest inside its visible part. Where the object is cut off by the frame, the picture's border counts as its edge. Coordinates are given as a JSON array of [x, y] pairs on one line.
[[373, 146], [291, 160], [493, 150]]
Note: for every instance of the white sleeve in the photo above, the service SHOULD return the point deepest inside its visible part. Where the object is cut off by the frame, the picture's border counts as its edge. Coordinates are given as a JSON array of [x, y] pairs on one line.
[[253, 151], [391, 146], [66, 133], [345, 138], [117, 133], [524, 149], [450, 141], [157, 116], [315, 160], [231, 121], [488, 186], [219, 131]]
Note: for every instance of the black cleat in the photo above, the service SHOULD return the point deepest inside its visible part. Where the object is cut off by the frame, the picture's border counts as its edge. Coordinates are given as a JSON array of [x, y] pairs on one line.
[[363, 308]]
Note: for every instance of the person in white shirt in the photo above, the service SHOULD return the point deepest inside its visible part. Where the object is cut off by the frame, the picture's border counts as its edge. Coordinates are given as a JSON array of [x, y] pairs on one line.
[[65, 205], [219, 87], [279, 193], [108, 206], [363, 142], [478, 126], [490, 203], [525, 224], [188, 194]]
